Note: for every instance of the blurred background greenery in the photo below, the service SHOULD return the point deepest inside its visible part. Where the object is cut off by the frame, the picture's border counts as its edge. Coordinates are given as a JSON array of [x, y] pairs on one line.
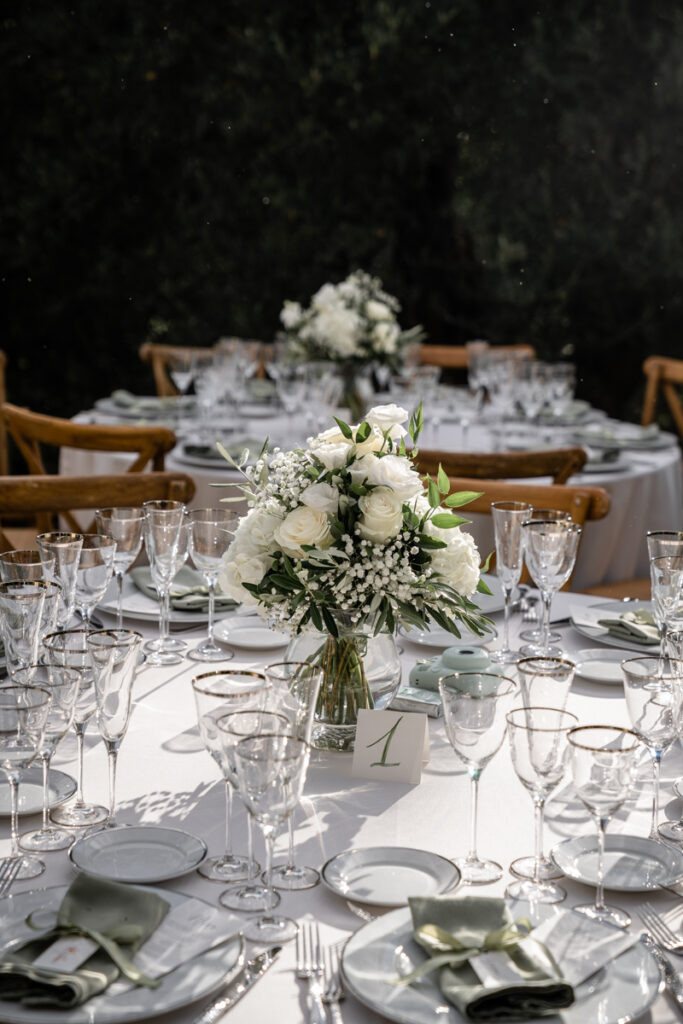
[[510, 170]]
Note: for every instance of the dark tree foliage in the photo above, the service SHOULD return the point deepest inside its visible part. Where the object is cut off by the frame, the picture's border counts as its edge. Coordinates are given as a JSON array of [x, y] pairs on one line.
[[510, 170]]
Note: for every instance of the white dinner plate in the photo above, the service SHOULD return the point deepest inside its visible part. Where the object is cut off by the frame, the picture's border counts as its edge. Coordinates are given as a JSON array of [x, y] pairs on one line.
[[441, 638], [385, 876], [196, 979], [618, 465], [60, 787], [148, 407], [137, 606], [598, 665], [614, 434], [632, 863], [253, 635], [612, 609], [384, 948], [138, 853]]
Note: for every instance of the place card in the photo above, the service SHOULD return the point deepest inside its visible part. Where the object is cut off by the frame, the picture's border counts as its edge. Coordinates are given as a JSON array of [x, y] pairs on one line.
[[67, 953], [390, 746]]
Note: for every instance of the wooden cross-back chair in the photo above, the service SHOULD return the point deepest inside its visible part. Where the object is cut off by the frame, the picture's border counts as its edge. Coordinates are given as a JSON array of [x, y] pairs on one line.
[[455, 357], [4, 452], [46, 499], [159, 358], [666, 375], [557, 463]]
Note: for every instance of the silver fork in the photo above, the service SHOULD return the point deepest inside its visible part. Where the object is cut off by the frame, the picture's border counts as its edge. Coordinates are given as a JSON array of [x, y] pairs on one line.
[[9, 869], [309, 966], [332, 990], [660, 929]]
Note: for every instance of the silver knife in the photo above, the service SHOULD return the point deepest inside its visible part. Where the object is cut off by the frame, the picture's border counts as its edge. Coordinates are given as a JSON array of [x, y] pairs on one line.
[[253, 970], [673, 985]]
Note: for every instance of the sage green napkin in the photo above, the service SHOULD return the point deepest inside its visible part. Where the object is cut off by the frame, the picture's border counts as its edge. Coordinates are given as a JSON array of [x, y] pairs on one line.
[[453, 929], [638, 627], [188, 592], [118, 917]]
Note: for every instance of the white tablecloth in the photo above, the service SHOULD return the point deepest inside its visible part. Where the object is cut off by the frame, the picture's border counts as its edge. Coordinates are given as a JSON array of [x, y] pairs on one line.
[[166, 777]]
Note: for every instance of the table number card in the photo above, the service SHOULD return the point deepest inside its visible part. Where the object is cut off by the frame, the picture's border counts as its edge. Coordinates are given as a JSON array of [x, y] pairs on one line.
[[390, 745]]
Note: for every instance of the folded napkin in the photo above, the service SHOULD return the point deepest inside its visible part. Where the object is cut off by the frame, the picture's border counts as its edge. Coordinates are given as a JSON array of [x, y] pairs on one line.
[[639, 627], [455, 930], [188, 592], [143, 403], [119, 918]]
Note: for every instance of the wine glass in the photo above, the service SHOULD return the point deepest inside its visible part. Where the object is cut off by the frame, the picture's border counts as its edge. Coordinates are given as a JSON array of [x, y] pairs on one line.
[[550, 548], [69, 648], [123, 525], [290, 384], [474, 707], [664, 542], [508, 517], [210, 532], [270, 771], [22, 605], [535, 635], [216, 694], [538, 746], [163, 527], [666, 581], [59, 553], [94, 571], [294, 689], [23, 712], [181, 369], [604, 761], [114, 654], [25, 565], [650, 690], [62, 684]]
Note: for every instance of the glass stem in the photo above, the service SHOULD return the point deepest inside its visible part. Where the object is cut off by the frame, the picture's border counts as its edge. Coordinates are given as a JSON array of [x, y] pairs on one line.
[[290, 866], [507, 595], [211, 583], [250, 849], [13, 779], [164, 615], [119, 606], [599, 891], [112, 753], [546, 598], [228, 817], [80, 728], [269, 839], [656, 765], [539, 808], [45, 759], [474, 774]]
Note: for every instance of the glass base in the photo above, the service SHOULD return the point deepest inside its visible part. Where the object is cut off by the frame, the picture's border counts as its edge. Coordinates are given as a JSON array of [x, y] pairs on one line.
[[523, 867], [30, 867], [478, 872], [534, 636], [539, 892], [210, 652], [671, 830], [270, 929], [249, 898], [79, 815], [162, 658], [609, 915], [290, 877], [46, 840], [233, 868], [536, 651], [505, 657]]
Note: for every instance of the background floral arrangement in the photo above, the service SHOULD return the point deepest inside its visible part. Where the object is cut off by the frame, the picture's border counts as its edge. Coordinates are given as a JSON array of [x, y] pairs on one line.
[[353, 321]]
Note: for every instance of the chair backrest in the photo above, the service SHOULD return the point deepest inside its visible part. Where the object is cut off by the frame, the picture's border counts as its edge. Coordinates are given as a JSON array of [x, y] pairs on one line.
[[46, 498], [159, 357], [455, 357], [666, 374], [4, 453], [558, 463]]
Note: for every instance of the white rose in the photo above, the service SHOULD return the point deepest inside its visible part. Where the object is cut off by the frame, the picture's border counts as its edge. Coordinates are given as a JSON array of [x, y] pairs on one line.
[[382, 515], [303, 526], [397, 473], [243, 567], [388, 418], [373, 443], [385, 336], [321, 497], [291, 314], [324, 297], [256, 530], [375, 310], [459, 561], [339, 329], [331, 436], [360, 469], [332, 456]]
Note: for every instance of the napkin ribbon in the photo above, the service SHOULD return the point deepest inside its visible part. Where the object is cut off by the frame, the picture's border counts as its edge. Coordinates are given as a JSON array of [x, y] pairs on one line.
[[130, 934]]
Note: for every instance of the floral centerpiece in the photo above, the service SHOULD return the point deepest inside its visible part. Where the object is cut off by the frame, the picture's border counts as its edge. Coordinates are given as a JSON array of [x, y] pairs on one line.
[[344, 541]]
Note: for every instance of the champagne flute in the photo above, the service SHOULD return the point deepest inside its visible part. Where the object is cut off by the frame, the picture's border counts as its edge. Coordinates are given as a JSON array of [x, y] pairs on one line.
[[69, 648], [164, 521], [666, 579], [94, 570], [474, 707], [62, 684], [508, 517], [210, 532], [538, 746], [123, 525], [604, 761], [550, 548], [114, 654], [23, 712], [59, 553], [270, 771], [22, 607]]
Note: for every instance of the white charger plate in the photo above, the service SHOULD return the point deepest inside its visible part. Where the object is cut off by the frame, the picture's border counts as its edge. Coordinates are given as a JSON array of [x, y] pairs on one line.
[[597, 665], [138, 853], [385, 876], [252, 635], [614, 609], [441, 638], [632, 863], [151, 407], [138, 606], [196, 979], [383, 948], [60, 787]]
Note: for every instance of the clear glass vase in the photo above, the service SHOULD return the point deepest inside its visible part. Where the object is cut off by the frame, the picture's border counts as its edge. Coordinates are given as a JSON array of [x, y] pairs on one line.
[[359, 671]]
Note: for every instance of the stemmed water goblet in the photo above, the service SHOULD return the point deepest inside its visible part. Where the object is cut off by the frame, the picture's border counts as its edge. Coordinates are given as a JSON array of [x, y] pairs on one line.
[[114, 654], [270, 771], [93, 573], [474, 706], [535, 634], [23, 712], [124, 526], [294, 689], [508, 517], [550, 548], [604, 761], [217, 694], [163, 528], [68, 648], [538, 746], [210, 533], [62, 684], [59, 553]]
